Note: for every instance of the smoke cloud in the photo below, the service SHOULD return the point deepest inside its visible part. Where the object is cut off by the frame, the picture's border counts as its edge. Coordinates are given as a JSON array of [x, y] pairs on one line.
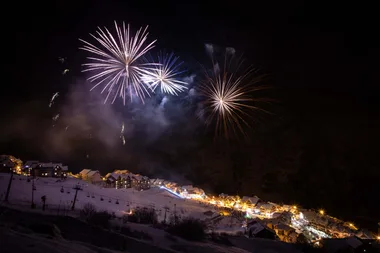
[[153, 130]]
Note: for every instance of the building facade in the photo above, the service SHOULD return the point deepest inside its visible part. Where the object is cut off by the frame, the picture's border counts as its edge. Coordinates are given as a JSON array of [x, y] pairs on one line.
[[56, 170], [92, 176]]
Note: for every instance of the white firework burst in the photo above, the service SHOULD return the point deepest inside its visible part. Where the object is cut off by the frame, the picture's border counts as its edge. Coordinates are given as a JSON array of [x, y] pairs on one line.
[[229, 96], [117, 63], [165, 74]]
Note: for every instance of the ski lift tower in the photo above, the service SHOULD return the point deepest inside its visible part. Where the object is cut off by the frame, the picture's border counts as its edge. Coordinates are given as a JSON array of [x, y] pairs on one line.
[[76, 188]]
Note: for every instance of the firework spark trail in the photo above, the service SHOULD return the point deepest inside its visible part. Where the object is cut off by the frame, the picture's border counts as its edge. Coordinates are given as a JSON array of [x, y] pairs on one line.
[[55, 95], [165, 75], [122, 134], [118, 64], [55, 118], [228, 96], [62, 59]]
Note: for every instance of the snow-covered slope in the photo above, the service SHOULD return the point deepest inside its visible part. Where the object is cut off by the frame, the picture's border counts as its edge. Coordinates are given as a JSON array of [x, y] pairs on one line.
[[59, 195]]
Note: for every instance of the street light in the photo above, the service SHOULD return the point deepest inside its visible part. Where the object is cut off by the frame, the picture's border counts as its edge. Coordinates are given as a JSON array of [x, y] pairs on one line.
[[322, 212]]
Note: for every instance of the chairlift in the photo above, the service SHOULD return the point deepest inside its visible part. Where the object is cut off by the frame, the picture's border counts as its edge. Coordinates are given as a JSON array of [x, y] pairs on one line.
[[34, 188], [68, 192], [109, 201], [93, 196], [117, 202], [88, 195], [101, 199], [62, 190]]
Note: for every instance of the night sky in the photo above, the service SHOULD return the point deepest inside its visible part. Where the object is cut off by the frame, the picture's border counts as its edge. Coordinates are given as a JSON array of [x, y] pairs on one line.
[[322, 61]]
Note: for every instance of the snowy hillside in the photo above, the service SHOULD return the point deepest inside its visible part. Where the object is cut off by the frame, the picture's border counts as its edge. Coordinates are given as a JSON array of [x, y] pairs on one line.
[[287, 222], [59, 195]]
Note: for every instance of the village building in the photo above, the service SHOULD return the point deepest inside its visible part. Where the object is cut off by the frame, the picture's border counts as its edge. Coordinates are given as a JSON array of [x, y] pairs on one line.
[[251, 200], [49, 169], [92, 176], [125, 179], [120, 179], [284, 217], [266, 208], [190, 191], [10, 164], [121, 172], [157, 182], [110, 180], [284, 232], [349, 244], [257, 229], [6, 164], [135, 180], [83, 173], [143, 183], [29, 166]]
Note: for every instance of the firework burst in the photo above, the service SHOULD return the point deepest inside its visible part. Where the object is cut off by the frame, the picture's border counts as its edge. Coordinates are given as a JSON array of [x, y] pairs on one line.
[[117, 62], [229, 96], [165, 74]]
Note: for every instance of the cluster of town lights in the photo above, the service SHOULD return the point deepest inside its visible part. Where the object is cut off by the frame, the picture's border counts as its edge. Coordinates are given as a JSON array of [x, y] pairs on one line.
[[230, 202], [251, 210]]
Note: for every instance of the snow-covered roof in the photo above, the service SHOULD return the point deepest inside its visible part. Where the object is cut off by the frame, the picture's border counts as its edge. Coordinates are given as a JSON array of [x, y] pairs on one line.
[[137, 177], [256, 227], [116, 176], [84, 172], [266, 206], [10, 157], [253, 200], [92, 173], [33, 166], [7, 162], [121, 172], [125, 176], [46, 165], [274, 204], [188, 187], [49, 165], [29, 163], [159, 181]]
